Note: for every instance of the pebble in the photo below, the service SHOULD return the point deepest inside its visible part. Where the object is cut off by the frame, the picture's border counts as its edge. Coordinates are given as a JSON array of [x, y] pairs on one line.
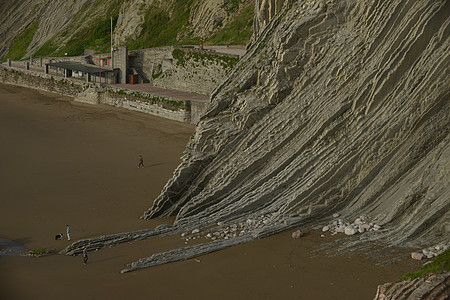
[[360, 225], [349, 230], [417, 256], [238, 229], [195, 231], [432, 251], [297, 234]]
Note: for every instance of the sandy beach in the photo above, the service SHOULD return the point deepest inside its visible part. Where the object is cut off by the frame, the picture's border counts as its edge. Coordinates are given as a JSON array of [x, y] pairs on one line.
[[64, 162]]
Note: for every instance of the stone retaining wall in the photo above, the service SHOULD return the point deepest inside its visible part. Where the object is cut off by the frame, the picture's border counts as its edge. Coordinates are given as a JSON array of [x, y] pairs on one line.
[[166, 107], [200, 74], [160, 108]]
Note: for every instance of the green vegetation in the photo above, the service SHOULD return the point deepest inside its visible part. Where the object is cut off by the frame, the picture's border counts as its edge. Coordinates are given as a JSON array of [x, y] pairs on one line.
[[237, 32], [231, 6], [183, 57], [440, 264], [87, 30], [163, 25], [40, 252], [161, 28], [20, 46], [173, 105]]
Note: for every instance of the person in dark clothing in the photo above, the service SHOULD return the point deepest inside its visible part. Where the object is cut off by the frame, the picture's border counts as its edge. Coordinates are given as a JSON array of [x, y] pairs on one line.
[[85, 255], [141, 161]]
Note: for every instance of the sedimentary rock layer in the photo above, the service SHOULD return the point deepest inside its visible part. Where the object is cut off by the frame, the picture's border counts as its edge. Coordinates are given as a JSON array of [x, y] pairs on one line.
[[338, 106], [431, 287]]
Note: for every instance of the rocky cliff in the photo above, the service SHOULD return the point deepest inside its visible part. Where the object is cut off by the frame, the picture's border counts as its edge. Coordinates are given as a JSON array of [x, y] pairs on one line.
[[71, 26], [337, 107], [52, 16]]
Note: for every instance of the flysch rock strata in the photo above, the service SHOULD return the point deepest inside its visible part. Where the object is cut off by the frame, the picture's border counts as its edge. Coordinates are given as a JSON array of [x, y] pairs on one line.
[[184, 253], [430, 287], [337, 107], [115, 239]]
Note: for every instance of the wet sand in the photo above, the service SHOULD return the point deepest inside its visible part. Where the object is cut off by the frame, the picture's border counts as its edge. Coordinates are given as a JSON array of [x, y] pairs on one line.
[[64, 162]]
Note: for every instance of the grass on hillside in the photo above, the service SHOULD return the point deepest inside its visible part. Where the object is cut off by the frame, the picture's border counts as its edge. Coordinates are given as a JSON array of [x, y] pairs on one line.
[[440, 264], [20, 46], [162, 29], [237, 32], [96, 35]]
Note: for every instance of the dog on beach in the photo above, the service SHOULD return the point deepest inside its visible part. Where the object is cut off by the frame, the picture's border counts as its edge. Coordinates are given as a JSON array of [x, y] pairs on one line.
[[58, 236]]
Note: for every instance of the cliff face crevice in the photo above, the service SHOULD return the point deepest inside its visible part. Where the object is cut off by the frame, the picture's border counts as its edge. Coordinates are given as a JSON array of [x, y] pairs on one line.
[[338, 106]]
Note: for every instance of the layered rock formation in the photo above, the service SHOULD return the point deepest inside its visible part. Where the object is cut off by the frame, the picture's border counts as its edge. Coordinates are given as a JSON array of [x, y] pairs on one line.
[[338, 106], [430, 287], [52, 16], [63, 20]]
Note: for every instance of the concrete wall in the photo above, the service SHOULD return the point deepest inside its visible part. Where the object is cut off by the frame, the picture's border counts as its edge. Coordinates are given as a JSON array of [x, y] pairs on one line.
[[158, 66], [139, 104], [40, 81], [184, 111]]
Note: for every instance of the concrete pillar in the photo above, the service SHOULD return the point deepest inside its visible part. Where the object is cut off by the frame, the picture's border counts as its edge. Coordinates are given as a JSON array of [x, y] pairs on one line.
[[120, 57], [40, 62], [31, 60], [9, 62], [46, 69], [87, 77], [27, 65], [65, 73]]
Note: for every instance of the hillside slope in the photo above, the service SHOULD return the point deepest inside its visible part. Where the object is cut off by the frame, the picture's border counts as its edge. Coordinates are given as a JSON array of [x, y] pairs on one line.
[[338, 106], [72, 26]]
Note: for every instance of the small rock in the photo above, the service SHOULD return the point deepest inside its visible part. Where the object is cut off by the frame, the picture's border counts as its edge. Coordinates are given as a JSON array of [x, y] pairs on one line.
[[340, 229], [426, 263], [322, 235], [376, 227], [209, 235], [195, 231], [349, 230], [219, 223], [183, 234], [417, 256], [365, 226], [336, 215], [325, 228], [297, 234]]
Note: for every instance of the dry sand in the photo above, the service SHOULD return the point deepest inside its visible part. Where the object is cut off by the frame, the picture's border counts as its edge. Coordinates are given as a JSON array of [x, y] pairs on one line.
[[64, 162]]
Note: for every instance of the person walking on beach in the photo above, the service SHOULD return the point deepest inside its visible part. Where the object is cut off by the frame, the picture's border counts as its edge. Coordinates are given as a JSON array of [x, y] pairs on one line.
[[141, 161], [68, 232], [85, 256]]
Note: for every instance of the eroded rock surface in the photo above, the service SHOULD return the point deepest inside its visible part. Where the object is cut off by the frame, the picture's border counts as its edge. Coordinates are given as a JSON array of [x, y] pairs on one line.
[[430, 287], [337, 107]]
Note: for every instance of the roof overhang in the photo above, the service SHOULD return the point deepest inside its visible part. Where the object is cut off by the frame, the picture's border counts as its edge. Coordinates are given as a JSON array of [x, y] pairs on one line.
[[76, 66]]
